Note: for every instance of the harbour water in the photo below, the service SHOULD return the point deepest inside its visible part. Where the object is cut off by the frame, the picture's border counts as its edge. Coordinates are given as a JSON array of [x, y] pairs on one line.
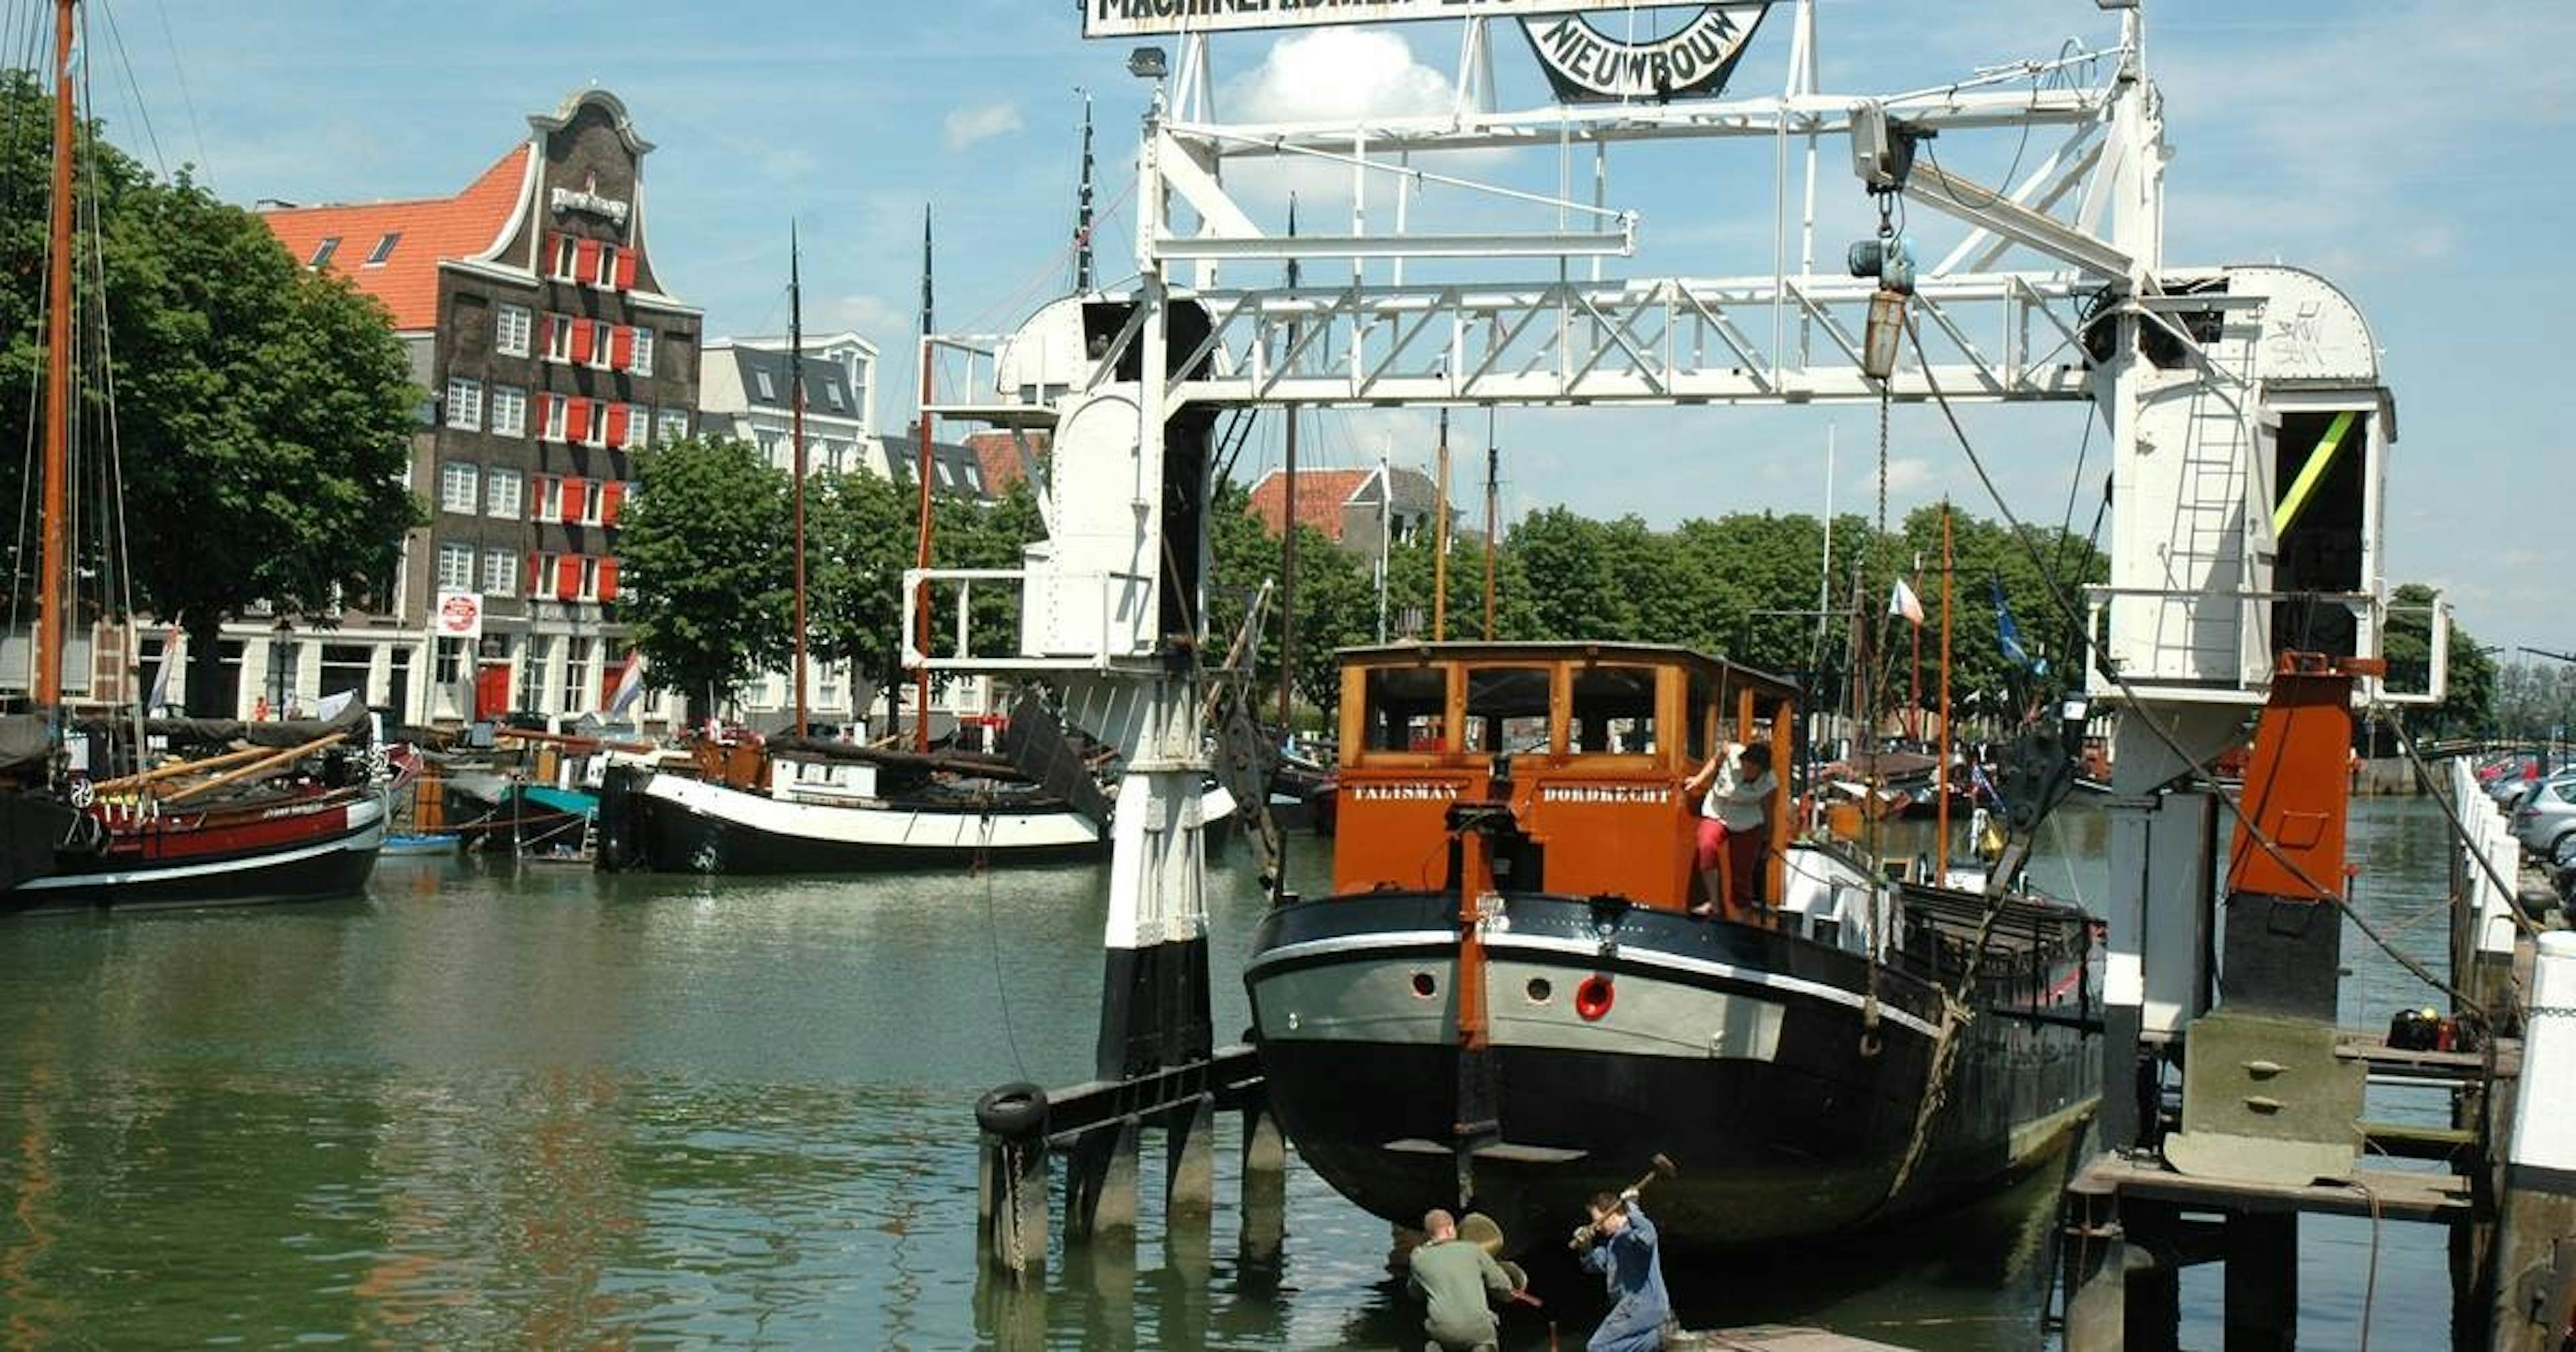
[[540, 1107]]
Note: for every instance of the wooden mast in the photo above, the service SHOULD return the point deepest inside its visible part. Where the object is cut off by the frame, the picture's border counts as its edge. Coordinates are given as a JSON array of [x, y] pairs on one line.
[[1941, 772], [796, 434], [921, 526], [1288, 525], [58, 378], [1440, 542]]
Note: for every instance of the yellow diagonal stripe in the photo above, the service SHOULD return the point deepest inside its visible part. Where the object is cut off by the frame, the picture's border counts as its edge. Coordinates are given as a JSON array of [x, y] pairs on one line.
[[2314, 470]]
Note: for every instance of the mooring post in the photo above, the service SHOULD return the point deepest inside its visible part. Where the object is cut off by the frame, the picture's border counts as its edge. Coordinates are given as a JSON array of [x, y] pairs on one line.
[[1011, 1179], [1265, 1185], [2535, 1250], [1189, 1164]]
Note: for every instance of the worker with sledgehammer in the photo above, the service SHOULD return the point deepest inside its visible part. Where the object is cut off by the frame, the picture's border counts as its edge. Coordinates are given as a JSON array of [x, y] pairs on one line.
[[1453, 1277], [1620, 1245]]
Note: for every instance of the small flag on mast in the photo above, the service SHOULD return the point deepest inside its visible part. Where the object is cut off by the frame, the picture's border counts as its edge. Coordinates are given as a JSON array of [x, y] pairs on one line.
[[160, 695], [630, 686], [1904, 602]]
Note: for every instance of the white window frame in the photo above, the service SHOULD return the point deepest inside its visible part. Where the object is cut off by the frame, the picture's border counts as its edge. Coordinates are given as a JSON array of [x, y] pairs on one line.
[[460, 487], [455, 566], [590, 577], [509, 411], [608, 256], [464, 404], [558, 337], [603, 346], [671, 425], [554, 429], [643, 364], [508, 506], [500, 571], [512, 326], [594, 495], [567, 256], [580, 694]]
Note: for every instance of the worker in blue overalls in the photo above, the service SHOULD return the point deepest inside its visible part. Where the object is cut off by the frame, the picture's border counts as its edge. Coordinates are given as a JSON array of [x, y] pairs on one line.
[[1620, 1245]]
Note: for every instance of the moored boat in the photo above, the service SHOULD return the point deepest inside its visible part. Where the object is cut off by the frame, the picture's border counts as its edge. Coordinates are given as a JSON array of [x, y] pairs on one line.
[[1505, 1001]]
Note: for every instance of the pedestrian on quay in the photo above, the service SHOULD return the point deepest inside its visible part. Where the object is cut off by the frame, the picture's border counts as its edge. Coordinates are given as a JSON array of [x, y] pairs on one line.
[[1620, 1245], [1454, 1278]]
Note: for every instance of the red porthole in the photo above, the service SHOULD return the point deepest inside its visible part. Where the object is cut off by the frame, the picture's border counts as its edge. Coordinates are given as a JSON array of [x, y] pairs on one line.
[[1593, 998]]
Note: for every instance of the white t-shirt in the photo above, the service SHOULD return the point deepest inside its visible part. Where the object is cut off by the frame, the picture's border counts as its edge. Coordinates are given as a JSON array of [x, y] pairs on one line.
[[1738, 807]]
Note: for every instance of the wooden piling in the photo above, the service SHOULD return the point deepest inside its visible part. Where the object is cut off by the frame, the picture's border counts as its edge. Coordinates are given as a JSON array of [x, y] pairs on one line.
[[1011, 1215], [1189, 1164], [1100, 1181], [2534, 1268], [1265, 1187]]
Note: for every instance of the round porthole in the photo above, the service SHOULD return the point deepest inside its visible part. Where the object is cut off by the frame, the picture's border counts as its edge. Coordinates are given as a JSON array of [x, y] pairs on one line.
[[1594, 997], [1539, 990], [1423, 985]]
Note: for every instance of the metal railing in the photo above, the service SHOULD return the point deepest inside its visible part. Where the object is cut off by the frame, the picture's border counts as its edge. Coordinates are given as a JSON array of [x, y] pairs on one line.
[[1122, 634], [2224, 640]]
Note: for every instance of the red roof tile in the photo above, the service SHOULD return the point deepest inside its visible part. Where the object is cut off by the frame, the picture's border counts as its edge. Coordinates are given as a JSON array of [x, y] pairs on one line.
[[432, 228], [1000, 459], [1320, 495]]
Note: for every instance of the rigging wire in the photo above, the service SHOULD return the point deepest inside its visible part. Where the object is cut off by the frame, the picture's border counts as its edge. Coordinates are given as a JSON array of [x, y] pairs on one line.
[[142, 113], [179, 73]]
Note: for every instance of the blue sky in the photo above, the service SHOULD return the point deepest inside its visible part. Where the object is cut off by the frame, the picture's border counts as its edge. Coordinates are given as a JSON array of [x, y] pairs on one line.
[[2413, 150]]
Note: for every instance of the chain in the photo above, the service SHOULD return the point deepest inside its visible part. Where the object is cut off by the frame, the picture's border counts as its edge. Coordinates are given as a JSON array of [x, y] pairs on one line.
[[1011, 1206]]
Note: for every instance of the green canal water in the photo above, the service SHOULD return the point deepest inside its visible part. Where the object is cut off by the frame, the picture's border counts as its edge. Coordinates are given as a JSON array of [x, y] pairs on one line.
[[542, 1108]]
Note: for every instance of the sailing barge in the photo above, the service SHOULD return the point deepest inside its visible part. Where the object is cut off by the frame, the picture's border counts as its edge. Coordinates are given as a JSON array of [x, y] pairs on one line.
[[1506, 1002]]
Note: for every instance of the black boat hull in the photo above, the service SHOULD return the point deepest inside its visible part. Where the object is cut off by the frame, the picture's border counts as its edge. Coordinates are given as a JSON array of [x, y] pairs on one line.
[[330, 862], [1739, 1052]]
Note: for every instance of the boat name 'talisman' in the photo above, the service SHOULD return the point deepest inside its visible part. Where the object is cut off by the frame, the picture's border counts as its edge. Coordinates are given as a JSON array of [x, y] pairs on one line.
[[1404, 793]]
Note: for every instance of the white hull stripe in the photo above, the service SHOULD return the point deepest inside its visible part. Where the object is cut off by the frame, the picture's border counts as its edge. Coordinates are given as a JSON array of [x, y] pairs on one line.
[[891, 827], [1643, 957], [368, 839]]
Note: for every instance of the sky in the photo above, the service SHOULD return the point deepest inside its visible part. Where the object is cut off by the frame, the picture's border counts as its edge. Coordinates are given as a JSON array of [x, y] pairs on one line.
[[2408, 149]]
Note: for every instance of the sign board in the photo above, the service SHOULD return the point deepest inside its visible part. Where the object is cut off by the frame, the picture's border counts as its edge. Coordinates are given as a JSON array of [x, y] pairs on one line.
[[460, 615], [1145, 18], [1691, 60]]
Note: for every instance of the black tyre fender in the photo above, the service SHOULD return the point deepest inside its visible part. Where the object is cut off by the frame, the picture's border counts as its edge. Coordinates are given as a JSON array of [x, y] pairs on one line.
[[1012, 1111]]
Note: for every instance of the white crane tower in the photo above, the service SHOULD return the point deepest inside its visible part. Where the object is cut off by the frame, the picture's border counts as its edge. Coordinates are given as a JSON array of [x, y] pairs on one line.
[[2248, 427]]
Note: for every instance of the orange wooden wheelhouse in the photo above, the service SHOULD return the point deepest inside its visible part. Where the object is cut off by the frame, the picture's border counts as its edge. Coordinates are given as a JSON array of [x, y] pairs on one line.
[[1587, 744]]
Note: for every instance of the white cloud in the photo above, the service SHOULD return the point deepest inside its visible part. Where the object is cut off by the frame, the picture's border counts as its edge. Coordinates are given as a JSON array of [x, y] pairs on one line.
[[981, 122], [1326, 75], [872, 317]]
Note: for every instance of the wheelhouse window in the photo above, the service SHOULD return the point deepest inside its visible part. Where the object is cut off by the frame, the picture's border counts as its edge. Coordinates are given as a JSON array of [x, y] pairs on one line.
[[1614, 711], [1402, 708], [1702, 708], [1507, 709]]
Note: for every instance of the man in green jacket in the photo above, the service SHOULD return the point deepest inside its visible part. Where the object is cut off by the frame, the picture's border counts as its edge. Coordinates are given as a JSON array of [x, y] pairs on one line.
[[1453, 1276]]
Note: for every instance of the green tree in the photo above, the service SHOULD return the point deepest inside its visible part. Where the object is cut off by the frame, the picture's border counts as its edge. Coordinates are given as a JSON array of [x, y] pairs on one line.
[[708, 566], [858, 542], [262, 412]]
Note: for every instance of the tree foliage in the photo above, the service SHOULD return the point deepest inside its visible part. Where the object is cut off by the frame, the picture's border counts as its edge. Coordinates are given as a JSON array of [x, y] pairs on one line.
[[262, 412], [708, 566], [2471, 706]]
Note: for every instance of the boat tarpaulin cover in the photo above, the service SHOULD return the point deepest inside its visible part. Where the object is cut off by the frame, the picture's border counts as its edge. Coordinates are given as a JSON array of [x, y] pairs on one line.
[[278, 733], [24, 740]]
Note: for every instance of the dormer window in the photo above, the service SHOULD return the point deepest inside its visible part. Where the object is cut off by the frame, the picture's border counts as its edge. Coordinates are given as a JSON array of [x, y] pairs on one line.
[[384, 249], [768, 391], [322, 252]]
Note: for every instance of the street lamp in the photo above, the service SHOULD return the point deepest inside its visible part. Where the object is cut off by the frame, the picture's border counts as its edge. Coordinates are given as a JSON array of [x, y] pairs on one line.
[[281, 656]]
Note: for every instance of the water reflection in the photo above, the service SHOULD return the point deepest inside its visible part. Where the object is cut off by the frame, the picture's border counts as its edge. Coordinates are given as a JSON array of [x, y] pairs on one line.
[[496, 1107]]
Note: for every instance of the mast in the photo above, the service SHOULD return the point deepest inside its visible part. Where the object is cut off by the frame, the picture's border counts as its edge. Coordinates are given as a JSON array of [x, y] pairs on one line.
[[1082, 209], [1385, 534], [796, 434], [1493, 454], [1914, 669], [48, 656], [921, 526], [1440, 541], [1941, 775], [1288, 525]]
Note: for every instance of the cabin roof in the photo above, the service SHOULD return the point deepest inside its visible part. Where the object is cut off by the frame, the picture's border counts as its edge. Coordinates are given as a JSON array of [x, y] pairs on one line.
[[1651, 654]]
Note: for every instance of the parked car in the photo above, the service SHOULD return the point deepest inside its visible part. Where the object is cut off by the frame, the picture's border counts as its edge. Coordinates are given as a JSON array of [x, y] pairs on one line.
[[2545, 820]]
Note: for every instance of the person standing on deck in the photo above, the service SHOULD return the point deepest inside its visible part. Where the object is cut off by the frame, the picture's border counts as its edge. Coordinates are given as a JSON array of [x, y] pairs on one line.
[[1622, 1249], [1453, 1278], [1734, 829]]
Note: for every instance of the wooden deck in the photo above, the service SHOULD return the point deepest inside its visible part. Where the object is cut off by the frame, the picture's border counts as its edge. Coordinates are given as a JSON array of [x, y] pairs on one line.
[[2389, 1063], [1777, 1338], [2441, 1198]]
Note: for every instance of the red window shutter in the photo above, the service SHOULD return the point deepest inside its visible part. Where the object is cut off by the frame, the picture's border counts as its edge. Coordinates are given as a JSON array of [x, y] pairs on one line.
[[568, 577], [626, 270], [608, 574], [554, 253], [536, 573], [577, 421], [582, 335], [617, 417], [621, 348], [545, 408], [569, 503], [609, 498], [585, 266]]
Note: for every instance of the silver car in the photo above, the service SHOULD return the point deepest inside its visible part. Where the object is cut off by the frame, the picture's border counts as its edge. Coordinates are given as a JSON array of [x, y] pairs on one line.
[[2545, 820]]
